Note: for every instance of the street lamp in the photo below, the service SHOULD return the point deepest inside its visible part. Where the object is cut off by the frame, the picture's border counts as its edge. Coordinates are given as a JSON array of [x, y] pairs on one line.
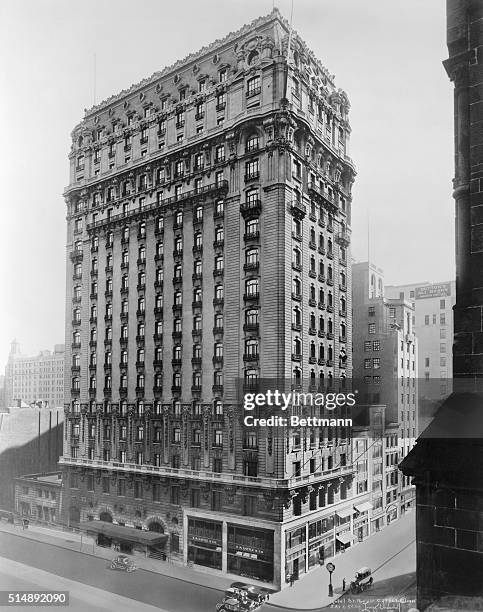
[[330, 568]]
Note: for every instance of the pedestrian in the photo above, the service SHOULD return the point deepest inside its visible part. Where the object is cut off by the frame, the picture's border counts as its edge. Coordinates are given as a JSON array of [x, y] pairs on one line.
[[292, 579], [343, 584]]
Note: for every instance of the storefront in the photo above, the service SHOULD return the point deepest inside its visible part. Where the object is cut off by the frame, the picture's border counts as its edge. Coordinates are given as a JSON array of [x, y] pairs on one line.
[[321, 541], [205, 543], [250, 552], [361, 521], [296, 554]]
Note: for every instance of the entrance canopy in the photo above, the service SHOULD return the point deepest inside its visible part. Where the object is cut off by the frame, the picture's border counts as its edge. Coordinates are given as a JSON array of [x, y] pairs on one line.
[[125, 534], [364, 507], [345, 513], [345, 537]]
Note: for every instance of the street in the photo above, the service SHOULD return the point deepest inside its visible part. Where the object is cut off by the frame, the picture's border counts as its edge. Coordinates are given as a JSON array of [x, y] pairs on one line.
[[164, 592], [27, 564]]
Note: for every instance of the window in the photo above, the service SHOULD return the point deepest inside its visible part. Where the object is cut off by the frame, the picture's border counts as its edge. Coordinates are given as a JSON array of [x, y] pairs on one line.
[[220, 153], [223, 75], [251, 287], [376, 363], [371, 328], [367, 364], [252, 169], [426, 319], [376, 345], [442, 304], [253, 143], [442, 319], [220, 101], [253, 86]]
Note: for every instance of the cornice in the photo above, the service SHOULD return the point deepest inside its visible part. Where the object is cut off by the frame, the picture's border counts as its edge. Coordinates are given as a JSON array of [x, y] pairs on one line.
[[191, 58]]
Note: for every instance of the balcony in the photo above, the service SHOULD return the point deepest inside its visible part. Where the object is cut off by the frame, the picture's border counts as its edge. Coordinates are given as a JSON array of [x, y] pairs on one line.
[[321, 333], [321, 250], [298, 209], [251, 236], [197, 249], [139, 391], [197, 276], [217, 360], [107, 293], [251, 297], [330, 282], [176, 362], [343, 238], [297, 267], [218, 272], [177, 280], [107, 391], [77, 276], [122, 391], [321, 305], [108, 318], [297, 236], [342, 287], [158, 363], [312, 331], [251, 208], [200, 115], [343, 313], [75, 391], [251, 327], [125, 289], [76, 322], [218, 244], [296, 296], [296, 357], [218, 301], [330, 336], [197, 304], [158, 337], [107, 367], [312, 245], [123, 341], [177, 308], [92, 343], [312, 273], [251, 357], [107, 342], [218, 330], [76, 255], [330, 363], [140, 364], [176, 389], [196, 334], [220, 106], [296, 327], [75, 368], [325, 199], [195, 388], [330, 308], [196, 361], [180, 124], [343, 261], [342, 338], [158, 311], [217, 389], [312, 360]]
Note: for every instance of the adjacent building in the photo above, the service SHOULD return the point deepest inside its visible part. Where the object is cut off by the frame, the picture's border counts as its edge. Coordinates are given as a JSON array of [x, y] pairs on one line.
[[209, 213], [447, 462], [39, 496], [385, 361], [433, 325], [35, 380]]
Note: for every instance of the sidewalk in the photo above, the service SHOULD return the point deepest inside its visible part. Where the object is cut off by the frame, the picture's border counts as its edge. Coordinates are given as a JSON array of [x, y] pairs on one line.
[[72, 540], [312, 590], [308, 593]]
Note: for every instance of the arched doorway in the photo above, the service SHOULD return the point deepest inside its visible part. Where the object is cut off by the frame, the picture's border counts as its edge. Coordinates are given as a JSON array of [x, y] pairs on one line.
[[158, 551], [103, 540]]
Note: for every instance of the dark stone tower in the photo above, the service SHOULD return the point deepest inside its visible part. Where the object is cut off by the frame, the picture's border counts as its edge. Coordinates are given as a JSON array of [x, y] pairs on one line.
[[447, 461]]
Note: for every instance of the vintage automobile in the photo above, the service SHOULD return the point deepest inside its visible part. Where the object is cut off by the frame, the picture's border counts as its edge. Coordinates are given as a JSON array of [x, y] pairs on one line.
[[241, 597], [363, 580], [122, 562]]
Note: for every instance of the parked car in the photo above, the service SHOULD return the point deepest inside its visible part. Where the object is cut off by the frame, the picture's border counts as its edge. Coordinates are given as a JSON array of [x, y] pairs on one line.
[[242, 597], [363, 580], [122, 562]]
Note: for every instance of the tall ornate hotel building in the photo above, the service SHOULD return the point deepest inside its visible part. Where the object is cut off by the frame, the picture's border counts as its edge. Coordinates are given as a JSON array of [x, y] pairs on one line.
[[208, 216]]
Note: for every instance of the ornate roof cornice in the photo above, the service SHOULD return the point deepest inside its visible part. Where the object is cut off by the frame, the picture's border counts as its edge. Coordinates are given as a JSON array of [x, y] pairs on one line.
[[192, 57]]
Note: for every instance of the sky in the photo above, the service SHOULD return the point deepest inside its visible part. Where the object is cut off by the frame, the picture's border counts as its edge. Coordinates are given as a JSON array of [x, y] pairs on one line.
[[385, 54]]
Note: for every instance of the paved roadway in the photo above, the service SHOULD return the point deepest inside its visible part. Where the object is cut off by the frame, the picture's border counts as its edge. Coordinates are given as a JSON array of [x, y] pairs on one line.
[[164, 592]]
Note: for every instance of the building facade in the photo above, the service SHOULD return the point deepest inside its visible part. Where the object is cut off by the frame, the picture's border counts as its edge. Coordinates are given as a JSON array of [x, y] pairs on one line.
[[433, 325], [38, 497], [35, 380], [209, 216], [385, 361], [447, 462]]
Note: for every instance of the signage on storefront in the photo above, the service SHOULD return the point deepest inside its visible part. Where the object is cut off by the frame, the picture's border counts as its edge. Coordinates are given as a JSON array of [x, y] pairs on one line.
[[432, 291], [202, 540]]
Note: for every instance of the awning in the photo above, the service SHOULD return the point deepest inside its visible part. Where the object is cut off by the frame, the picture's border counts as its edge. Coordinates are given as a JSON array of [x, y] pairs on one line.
[[364, 507], [126, 534], [344, 513], [345, 537]]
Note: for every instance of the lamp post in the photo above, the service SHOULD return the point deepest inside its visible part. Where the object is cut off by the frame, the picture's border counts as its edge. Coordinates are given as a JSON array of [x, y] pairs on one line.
[[330, 568]]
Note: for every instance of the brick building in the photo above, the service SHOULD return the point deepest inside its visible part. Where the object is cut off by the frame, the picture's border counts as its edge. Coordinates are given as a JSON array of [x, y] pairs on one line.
[[35, 380], [385, 362], [209, 216], [39, 496]]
